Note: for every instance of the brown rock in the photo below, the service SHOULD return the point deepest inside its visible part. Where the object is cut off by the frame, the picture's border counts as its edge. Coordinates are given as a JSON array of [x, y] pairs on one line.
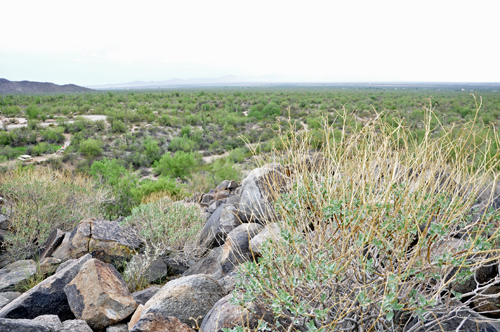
[[98, 295], [154, 322]]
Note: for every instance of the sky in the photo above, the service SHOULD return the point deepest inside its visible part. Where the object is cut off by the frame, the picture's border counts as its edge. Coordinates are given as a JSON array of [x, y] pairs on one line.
[[105, 42]]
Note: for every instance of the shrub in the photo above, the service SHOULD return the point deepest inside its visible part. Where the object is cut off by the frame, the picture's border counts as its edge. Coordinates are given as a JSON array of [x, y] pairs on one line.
[[375, 226], [42, 199], [54, 135], [165, 185], [118, 126], [164, 227], [90, 147], [182, 144], [180, 165]]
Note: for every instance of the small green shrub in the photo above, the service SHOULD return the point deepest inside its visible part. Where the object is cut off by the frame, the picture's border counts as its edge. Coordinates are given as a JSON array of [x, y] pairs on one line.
[[180, 165], [90, 147]]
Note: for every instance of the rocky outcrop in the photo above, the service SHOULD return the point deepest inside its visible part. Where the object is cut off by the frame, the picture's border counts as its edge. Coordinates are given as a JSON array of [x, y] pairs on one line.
[[46, 298], [23, 325], [106, 240], [185, 298], [15, 273], [99, 295]]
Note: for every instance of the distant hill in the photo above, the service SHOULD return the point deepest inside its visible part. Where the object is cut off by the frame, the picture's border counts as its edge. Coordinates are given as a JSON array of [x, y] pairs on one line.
[[10, 87]]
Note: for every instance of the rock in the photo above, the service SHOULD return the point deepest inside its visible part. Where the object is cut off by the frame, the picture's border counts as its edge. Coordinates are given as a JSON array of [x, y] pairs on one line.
[[232, 185], [135, 317], [99, 295], [53, 241], [186, 297], [483, 275], [488, 305], [151, 270], [117, 328], [461, 319], [221, 195], [256, 194], [208, 265], [46, 298], [49, 264], [236, 250], [76, 325], [106, 240], [153, 322], [207, 199], [175, 267], [223, 185], [221, 222], [4, 222], [144, 295], [23, 325], [64, 264], [63, 252], [15, 273], [7, 297], [51, 320], [226, 315], [229, 282], [270, 231]]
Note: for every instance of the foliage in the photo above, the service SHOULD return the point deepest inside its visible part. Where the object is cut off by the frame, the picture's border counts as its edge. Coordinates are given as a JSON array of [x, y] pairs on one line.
[[180, 165], [90, 147], [40, 200]]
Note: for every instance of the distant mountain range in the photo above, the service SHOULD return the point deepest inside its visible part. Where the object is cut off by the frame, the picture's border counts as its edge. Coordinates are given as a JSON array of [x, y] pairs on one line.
[[11, 87]]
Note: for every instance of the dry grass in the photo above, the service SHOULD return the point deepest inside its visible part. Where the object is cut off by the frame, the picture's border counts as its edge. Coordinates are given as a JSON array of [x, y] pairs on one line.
[[377, 228]]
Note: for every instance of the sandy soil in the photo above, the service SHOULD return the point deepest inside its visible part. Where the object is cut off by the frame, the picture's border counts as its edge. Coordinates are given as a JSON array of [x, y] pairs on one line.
[[24, 123]]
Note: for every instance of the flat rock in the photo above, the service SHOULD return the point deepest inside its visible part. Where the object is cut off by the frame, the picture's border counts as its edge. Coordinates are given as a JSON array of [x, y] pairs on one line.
[[99, 295], [144, 295], [51, 320], [23, 325], [46, 298], [153, 322], [236, 250], [15, 273], [75, 325], [186, 297]]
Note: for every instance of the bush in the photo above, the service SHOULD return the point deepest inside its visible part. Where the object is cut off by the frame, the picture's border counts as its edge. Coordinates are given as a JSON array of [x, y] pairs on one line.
[[180, 165], [376, 225], [118, 126], [90, 147], [182, 144], [165, 227], [164, 185], [42, 199], [53, 135]]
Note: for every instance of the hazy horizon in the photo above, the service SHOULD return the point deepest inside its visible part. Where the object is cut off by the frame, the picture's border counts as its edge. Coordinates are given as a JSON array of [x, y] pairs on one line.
[[360, 41]]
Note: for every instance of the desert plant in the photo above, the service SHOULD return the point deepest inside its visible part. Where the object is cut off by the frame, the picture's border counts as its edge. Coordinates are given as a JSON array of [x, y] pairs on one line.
[[166, 228], [42, 199], [375, 229]]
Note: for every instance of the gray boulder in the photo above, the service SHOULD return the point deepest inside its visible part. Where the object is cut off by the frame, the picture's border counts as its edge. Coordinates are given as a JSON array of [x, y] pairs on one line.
[[63, 251], [151, 269], [186, 297], [53, 241], [210, 265], [144, 295], [51, 320], [24, 325], [271, 231], [75, 325], [117, 328], [15, 273], [46, 298], [221, 222], [236, 250], [256, 192]]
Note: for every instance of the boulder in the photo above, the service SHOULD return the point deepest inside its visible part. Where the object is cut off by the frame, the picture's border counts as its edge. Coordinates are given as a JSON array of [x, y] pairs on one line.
[[99, 295], [210, 265], [46, 298], [186, 297], [75, 325], [63, 251], [23, 325], [117, 328], [53, 241], [4, 222], [221, 222], [51, 320], [228, 282], [223, 185], [15, 273], [151, 269], [144, 295], [135, 317], [106, 240], [49, 265], [236, 249], [270, 231], [226, 315], [256, 192], [153, 322], [176, 267]]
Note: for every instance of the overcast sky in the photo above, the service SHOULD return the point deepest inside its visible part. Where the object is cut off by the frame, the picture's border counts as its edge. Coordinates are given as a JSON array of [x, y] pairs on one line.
[[101, 42]]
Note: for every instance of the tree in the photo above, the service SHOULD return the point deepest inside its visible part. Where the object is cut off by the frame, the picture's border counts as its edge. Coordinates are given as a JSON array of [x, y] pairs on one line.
[[180, 165]]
